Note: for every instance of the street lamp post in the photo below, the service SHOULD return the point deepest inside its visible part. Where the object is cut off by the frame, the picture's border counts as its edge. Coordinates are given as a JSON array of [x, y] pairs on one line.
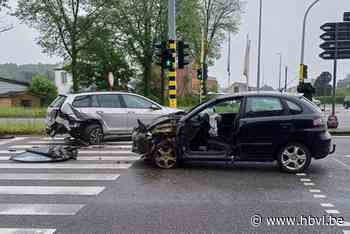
[[259, 47], [304, 31]]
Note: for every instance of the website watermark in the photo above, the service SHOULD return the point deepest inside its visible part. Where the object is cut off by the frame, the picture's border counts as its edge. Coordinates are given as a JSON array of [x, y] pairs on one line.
[[258, 220]]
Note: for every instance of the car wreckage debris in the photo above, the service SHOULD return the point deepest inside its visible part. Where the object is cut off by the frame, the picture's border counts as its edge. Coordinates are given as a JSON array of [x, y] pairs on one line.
[[48, 154]]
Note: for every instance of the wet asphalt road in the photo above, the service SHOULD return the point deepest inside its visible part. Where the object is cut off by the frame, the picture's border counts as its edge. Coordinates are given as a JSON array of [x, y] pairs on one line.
[[197, 198]]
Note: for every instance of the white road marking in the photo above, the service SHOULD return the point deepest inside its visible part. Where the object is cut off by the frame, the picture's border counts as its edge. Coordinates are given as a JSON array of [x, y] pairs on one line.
[[340, 162], [344, 224], [301, 174], [52, 139], [89, 147], [315, 191], [305, 180], [93, 158], [319, 196], [40, 209], [51, 190], [122, 152], [57, 176], [309, 184], [332, 212], [346, 231], [26, 231], [54, 142], [4, 142], [327, 205], [64, 166], [347, 156]]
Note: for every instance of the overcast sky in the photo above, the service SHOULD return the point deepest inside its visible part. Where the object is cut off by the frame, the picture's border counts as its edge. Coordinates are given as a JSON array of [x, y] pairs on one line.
[[282, 20]]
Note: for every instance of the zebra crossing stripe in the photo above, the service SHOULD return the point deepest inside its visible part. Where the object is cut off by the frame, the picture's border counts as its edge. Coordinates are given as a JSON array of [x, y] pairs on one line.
[[39, 209], [94, 158], [120, 152], [51, 190], [26, 231], [89, 147], [64, 166], [58, 176], [4, 142], [63, 142]]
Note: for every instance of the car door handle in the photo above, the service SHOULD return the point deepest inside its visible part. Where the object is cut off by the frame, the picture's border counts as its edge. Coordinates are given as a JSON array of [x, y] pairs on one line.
[[286, 125]]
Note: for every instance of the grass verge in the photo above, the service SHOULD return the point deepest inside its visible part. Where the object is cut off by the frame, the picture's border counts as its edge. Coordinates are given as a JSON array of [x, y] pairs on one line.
[[20, 112], [22, 128]]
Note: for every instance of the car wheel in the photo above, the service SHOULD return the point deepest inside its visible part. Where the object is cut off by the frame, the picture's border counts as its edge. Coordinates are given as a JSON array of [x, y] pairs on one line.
[[294, 158], [93, 134], [165, 156]]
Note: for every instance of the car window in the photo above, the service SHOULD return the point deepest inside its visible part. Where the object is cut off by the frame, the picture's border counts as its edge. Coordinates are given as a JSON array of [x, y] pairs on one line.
[[294, 108], [263, 106], [136, 102], [58, 101], [82, 101], [227, 107], [109, 100], [347, 98]]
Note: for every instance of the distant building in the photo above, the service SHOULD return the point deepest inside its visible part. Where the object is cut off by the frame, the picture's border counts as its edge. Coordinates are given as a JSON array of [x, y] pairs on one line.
[[63, 80], [238, 87], [16, 94], [344, 83]]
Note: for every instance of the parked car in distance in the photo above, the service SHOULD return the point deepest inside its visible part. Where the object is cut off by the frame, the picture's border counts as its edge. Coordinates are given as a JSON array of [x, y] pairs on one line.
[[347, 102], [90, 116], [252, 126]]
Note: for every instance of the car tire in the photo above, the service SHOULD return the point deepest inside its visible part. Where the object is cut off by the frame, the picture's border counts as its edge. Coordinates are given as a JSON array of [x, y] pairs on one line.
[[165, 156], [294, 158], [93, 134]]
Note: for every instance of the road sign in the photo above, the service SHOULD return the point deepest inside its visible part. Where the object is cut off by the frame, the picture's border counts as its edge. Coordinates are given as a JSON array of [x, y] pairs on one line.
[[343, 54], [331, 27], [332, 36], [346, 16], [331, 45]]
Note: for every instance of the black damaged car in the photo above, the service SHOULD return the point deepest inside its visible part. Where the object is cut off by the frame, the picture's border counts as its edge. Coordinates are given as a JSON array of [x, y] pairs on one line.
[[254, 126]]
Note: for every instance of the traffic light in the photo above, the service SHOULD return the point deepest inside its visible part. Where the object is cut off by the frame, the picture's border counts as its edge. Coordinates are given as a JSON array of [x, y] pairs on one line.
[[199, 74], [305, 72], [168, 59], [205, 72], [183, 54], [160, 48]]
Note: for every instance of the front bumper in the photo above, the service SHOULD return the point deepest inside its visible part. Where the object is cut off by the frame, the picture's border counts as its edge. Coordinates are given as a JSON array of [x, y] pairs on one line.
[[141, 142]]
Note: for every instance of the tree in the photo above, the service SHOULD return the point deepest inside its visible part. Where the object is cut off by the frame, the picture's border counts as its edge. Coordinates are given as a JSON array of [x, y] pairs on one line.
[[61, 25], [218, 17], [322, 86], [4, 28], [44, 88], [102, 56]]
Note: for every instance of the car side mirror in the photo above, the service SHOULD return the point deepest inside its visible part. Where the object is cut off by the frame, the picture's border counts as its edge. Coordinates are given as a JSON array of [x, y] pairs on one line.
[[155, 107]]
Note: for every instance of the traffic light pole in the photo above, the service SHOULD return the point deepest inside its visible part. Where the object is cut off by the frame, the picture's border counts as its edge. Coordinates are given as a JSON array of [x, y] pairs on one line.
[[172, 48]]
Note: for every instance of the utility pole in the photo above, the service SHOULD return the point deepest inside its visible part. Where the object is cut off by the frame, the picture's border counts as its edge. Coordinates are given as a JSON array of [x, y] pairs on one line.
[[201, 89], [280, 71], [286, 79], [172, 48], [259, 47]]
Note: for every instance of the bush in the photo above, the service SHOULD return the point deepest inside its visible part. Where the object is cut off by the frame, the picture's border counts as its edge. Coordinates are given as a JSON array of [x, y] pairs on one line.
[[329, 99], [188, 101], [44, 88], [28, 128]]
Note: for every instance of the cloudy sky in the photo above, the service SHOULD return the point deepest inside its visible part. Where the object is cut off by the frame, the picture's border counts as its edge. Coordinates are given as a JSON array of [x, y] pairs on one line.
[[282, 20]]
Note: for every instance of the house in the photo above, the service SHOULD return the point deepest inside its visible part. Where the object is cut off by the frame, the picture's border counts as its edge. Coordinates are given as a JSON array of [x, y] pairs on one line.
[[238, 87], [63, 80], [15, 93]]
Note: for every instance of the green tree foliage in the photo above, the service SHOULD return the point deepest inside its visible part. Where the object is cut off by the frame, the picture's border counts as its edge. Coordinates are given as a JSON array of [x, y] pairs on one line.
[[102, 56], [44, 88], [61, 24], [4, 27], [322, 86]]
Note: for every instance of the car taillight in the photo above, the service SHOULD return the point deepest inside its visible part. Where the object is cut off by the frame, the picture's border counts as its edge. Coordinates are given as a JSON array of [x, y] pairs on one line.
[[318, 122]]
